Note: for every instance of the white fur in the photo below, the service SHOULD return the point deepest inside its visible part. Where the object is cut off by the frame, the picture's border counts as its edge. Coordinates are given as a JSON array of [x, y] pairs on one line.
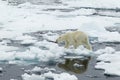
[[75, 38]]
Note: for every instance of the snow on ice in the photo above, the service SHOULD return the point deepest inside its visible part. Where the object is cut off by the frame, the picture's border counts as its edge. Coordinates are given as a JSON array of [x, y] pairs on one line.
[[94, 3], [109, 61], [42, 51], [48, 75], [23, 20]]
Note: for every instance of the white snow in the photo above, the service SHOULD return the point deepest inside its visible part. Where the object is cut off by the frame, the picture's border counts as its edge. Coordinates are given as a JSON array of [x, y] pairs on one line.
[[13, 79], [23, 20], [6, 56], [28, 41], [109, 61], [77, 65], [24, 37], [1, 69], [38, 69], [48, 75], [94, 3], [51, 52], [7, 48]]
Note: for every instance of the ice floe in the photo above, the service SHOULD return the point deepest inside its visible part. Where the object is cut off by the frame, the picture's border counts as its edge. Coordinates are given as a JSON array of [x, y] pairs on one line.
[[48, 75], [41, 51], [109, 61]]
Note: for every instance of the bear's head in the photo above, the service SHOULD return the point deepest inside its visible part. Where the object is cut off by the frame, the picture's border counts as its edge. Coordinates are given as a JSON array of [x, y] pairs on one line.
[[60, 39]]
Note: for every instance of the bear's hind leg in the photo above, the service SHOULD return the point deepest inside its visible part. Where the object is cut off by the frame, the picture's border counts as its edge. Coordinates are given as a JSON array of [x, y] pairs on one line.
[[88, 47], [75, 45], [87, 44]]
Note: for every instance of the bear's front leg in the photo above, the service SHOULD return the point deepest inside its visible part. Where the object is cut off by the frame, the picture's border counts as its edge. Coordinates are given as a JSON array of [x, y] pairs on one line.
[[66, 44], [75, 44]]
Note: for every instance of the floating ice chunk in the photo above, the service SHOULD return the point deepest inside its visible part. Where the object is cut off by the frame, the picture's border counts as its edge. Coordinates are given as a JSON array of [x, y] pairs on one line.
[[8, 48], [61, 76], [110, 68], [107, 50], [8, 34], [47, 74], [46, 56], [27, 55], [37, 69], [50, 38], [28, 41], [46, 44], [92, 3], [13, 79], [32, 77], [24, 37], [77, 65], [109, 61], [1, 69], [7, 56], [78, 51], [5, 42], [42, 70], [103, 57], [41, 51], [35, 50], [108, 37], [73, 57]]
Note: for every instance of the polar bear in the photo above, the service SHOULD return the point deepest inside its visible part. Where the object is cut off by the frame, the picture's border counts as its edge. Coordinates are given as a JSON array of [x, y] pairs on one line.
[[74, 38]]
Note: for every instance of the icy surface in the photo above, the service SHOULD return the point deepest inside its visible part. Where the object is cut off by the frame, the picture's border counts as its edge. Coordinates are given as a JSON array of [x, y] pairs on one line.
[[109, 61], [42, 51], [48, 75], [7, 48], [31, 18], [1, 69], [94, 3]]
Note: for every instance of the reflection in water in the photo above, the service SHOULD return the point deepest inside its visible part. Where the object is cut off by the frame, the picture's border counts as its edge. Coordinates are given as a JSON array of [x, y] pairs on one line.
[[76, 65]]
